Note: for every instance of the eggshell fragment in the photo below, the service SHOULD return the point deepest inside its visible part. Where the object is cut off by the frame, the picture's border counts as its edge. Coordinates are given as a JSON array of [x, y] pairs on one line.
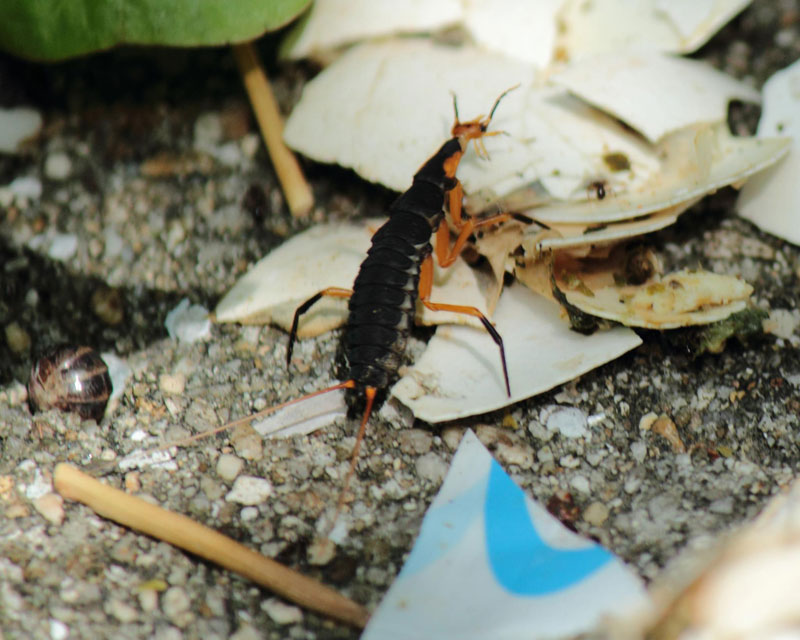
[[771, 200], [323, 256], [460, 375], [696, 161], [660, 25], [334, 23], [329, 255], [652, 92], [679, 299]]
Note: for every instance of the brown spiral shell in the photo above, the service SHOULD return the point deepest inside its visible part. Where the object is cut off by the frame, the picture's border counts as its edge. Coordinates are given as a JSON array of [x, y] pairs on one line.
[[70, 378]]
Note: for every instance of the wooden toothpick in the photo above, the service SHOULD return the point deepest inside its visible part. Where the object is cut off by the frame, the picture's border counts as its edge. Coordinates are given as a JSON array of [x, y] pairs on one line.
[[295, 187], [202, 541]]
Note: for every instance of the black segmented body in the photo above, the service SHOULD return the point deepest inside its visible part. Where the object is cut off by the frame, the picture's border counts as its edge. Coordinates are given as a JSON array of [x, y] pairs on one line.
[[385, 291]]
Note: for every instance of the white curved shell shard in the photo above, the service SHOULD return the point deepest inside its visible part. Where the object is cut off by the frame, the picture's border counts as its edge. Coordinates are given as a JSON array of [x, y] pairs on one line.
[[459, 374], [771, 200]]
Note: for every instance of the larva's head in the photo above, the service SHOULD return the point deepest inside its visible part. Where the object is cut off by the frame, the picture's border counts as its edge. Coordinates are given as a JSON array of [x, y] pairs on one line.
[[477, 128]]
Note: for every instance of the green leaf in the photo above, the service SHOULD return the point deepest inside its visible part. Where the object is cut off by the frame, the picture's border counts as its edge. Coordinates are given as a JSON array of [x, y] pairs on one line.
[[58, 29]]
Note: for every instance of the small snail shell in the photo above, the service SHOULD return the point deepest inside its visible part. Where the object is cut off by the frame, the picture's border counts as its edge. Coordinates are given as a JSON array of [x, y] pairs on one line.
[[73, 379]]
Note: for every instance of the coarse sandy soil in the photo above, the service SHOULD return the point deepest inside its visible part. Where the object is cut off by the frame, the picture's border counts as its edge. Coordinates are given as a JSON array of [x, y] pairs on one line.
[[157, 221]]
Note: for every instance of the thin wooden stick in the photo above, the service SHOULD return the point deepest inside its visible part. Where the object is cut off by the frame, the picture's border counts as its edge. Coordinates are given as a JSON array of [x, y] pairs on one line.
[[295, 188], [198, 539]]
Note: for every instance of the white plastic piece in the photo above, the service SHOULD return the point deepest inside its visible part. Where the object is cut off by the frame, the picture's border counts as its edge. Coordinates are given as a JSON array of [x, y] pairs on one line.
[[460, 375], [303, 417], [771, 200], [188, 323], [652, 92]]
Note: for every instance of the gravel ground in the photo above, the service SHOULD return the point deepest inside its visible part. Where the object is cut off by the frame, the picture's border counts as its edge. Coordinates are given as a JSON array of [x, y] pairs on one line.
[[156, 220]]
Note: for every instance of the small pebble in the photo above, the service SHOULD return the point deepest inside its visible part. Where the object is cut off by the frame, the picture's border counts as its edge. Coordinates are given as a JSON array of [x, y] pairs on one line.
[[17, 338], [452, 437], [570, 422], [248, 513], [596, 513], [188, 323], [229, 466], [514, 454], [249, 490], [148, 600], [666, 428], [246, 632], [58, 630], [580, 484], [639, 451], [63, 246], [107, 304], [247, 443], [122, 611], [51, 507], [207, 130], [431, 467], [415, 441], [280, 612], [57, 166], [26, 187], [172, 383], [320, 552], [177, 606]]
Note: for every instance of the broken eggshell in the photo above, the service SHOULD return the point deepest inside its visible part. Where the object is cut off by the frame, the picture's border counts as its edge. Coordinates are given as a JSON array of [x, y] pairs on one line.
[[523, 30], [588, 28], [771, 200], [653, 92], [459, 373], [696, 161], [678, 299], [330, 255], [401, 92]]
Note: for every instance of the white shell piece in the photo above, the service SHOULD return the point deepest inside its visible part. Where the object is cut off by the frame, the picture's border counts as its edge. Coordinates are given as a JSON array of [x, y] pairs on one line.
[[522, 30], [330, 255], [334, 23], [771, 200], [679, 299], [17, 125], [697, 161], [383, 109], [303, 417], [659, 25], [459, 374], [652, 92], [581, 235], [323, 256]]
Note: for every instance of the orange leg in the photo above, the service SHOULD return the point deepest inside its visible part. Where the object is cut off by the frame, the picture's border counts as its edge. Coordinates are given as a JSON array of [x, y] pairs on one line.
[[333, 292], [425, 287], [445, 255], [370, 393]]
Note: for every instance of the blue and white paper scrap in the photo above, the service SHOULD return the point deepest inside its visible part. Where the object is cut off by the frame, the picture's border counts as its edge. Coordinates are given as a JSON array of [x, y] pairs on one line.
[[491, 563]]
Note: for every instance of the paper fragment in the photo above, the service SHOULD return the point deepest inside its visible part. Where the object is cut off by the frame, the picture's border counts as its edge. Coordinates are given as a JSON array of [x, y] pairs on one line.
[[491, 563]]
